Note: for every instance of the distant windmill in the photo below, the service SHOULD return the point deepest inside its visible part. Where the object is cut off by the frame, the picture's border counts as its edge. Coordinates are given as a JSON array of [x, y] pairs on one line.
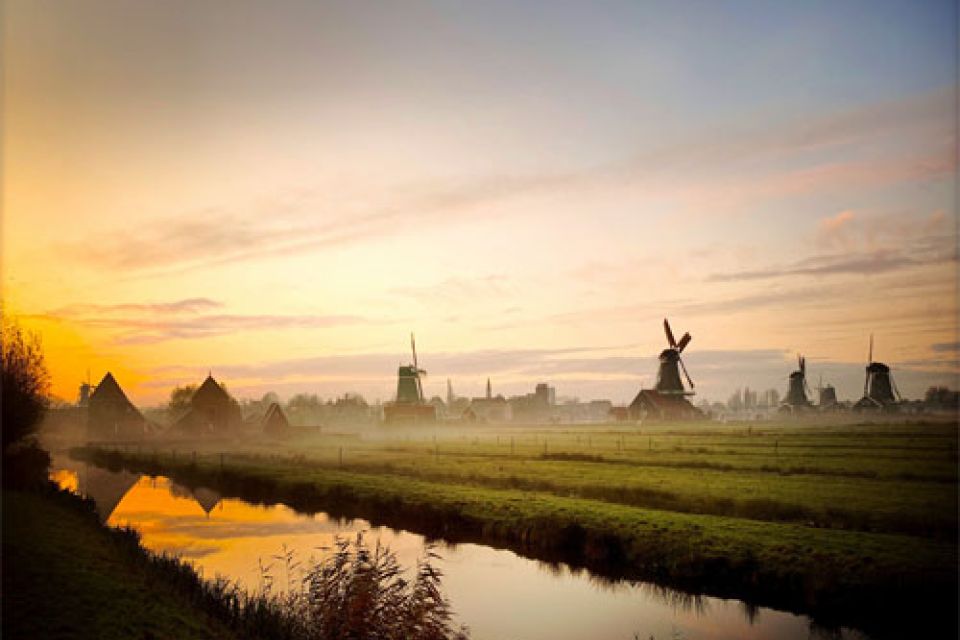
[[879, 389], [797, 393], [668, 399], [409, 405], [409, 388], [826, 395], [668, 377]]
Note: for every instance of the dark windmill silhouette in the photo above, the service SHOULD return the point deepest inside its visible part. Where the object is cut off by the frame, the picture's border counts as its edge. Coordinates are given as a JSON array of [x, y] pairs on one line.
[[796, 398], [668, 398], [879, 390], [409, 405], [668, 376], [826, 396]]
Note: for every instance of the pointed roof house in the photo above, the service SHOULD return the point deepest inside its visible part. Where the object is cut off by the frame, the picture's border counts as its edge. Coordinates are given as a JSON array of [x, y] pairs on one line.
[[275, 422], [209, 393], [212, 411], [111, 415]]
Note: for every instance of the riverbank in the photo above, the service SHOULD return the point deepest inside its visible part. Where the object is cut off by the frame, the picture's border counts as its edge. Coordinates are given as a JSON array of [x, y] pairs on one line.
[[67, 576], [864, 579]]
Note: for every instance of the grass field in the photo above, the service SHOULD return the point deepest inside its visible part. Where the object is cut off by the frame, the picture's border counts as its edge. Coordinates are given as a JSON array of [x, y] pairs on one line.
[[829, 519], [66, 576]]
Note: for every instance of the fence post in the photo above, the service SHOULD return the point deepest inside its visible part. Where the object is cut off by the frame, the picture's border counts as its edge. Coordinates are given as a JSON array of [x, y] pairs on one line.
[[341, 457]]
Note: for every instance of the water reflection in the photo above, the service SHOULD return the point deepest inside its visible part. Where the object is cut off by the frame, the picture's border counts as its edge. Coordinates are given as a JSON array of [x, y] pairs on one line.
[[495, 592]]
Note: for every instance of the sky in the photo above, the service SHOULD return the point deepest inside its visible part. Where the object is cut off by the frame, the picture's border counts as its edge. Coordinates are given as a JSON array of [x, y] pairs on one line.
[[279, 193]]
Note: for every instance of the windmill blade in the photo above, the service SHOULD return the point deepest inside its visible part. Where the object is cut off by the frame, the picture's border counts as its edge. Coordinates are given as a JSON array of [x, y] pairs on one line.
[[684, 367], [870, 353], [670, 339], [413, 346], [684, 341]]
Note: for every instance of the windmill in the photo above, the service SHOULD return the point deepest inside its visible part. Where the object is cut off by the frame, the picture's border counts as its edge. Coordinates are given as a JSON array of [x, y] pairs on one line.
[[668, 398], [879, 389], [797, 393], [826, 395], [409, 405], [668, 377]]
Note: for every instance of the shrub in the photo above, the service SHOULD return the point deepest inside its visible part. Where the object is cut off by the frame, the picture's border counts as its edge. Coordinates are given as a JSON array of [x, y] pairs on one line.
[[25, 383]]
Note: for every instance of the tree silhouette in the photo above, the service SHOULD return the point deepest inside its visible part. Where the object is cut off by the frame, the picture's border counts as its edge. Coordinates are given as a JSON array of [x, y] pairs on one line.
[[25, 381]]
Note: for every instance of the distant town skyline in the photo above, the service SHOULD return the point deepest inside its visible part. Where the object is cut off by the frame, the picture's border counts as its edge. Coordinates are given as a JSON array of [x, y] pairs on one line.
[[280, 192]]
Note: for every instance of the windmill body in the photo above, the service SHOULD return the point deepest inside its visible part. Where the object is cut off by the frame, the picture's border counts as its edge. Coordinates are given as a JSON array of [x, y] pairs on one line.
[[828, 397], [409, 405], [879, 390], [668, 398], [796, 398], [668, 376]]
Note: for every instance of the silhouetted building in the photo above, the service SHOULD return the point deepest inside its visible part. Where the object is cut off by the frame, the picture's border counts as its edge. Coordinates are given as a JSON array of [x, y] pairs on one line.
[[111, 415], [796, 399], [828, 397], [274, 422], [534, 407], [879, 390], [409, 405], [212, 411], [661, 406], [668, 399]]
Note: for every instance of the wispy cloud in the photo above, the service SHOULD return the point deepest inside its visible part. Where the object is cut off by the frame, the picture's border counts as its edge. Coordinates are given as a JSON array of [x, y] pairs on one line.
[[186, 306], [869, 245], [312, 221], [946, 347], [213, 237], [457, 289], [153, 322]]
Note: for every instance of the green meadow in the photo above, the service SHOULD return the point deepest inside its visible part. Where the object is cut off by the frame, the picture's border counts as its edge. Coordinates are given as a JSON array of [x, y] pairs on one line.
[[835, 520]]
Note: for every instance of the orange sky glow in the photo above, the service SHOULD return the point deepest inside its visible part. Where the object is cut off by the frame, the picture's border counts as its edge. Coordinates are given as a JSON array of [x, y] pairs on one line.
[[282, 197]]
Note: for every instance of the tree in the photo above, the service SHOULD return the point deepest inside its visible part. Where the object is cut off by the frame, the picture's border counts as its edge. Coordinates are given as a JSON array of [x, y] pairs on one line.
[[25, 385], [180, 400], [25, 382]]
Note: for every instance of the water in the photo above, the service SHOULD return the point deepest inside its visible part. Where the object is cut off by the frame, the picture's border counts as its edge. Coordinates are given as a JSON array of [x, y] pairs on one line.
[[496, 593]]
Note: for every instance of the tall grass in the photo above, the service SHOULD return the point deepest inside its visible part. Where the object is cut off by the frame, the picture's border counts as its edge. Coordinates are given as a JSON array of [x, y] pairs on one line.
[[358, 591]]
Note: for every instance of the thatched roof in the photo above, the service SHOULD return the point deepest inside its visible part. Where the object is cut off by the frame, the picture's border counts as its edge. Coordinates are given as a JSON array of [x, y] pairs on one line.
[[210, 393], [108, 392], [274, 420]]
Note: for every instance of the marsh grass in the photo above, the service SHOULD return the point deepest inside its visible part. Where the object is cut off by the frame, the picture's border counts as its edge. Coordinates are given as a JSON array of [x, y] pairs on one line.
[[356, 591]]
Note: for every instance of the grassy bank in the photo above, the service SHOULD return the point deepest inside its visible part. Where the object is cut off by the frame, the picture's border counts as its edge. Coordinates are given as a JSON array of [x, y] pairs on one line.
[[870, 579], [66, 576]]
